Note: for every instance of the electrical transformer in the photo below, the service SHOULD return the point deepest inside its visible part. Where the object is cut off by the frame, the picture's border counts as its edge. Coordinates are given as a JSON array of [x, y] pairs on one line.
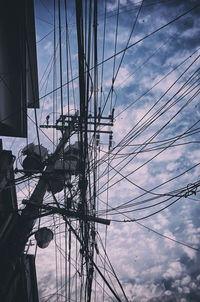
[[35, 158]]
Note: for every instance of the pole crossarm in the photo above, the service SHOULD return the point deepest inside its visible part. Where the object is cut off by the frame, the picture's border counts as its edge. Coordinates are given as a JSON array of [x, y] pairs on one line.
[[73, 214]]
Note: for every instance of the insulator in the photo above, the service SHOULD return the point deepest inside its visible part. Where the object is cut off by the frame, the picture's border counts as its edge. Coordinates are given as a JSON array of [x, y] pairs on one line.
[[97, 139], [99, 114], [47, 119], [96, 248], [110, 140], [113, 110]]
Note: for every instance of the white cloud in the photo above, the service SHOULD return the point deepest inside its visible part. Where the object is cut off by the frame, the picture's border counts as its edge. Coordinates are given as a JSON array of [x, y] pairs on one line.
[[140, 257], [175, 270], [49, 47], [123, 79], [186, 280]]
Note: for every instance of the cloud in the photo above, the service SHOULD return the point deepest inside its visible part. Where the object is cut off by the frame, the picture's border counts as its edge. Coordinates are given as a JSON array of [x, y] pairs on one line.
[[49, 47], [150, 267]]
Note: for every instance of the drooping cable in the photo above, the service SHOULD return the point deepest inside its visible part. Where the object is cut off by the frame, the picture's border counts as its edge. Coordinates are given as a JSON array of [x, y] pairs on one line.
[[131, 45]]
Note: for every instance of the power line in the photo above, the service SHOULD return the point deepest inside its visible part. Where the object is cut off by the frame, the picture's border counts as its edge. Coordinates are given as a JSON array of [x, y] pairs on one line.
[[153, 118], [128, 47]]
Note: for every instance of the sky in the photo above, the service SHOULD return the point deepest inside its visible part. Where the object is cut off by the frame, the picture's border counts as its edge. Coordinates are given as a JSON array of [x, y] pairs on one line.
[[148, 184]]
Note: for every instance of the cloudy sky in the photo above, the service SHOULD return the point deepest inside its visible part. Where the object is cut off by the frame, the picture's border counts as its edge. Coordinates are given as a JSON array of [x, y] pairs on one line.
[[148, 184]]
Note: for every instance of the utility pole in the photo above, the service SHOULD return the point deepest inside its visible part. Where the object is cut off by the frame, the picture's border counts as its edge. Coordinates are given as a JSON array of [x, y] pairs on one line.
[[14, 238], [16, 235]]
